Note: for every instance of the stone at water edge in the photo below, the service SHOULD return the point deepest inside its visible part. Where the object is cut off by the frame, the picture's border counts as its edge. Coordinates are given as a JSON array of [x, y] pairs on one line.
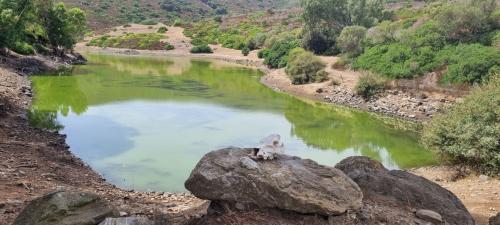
[[66, 208], [287, 183], [404, 189]]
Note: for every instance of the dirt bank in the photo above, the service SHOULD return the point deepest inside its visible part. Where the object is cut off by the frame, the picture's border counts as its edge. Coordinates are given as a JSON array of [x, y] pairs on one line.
[[34, 161]]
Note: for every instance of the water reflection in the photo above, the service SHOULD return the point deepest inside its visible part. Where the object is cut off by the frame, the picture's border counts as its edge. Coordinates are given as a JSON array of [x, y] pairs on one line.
[[145, 122]]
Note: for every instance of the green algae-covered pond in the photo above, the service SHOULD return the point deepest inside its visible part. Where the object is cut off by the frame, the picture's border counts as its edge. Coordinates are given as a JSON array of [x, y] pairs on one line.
[[144, 122]]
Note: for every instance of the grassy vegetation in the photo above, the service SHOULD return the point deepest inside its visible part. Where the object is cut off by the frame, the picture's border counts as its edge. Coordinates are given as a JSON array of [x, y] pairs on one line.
[[369, 85], [150, 41], [458, 39], [468, 133], [203, 48], [304, 67], [162, 30]]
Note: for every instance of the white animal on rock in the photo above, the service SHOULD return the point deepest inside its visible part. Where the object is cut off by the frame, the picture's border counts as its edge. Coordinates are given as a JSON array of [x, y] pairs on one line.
[[269, 147]]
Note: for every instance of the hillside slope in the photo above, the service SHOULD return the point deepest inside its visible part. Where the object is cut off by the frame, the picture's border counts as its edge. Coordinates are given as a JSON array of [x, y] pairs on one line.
[[107, 13]]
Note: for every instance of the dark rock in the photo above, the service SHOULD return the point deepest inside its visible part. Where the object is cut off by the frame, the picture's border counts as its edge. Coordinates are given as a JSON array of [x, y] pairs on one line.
[[429, 215], [495, 220], [287, 183], [66, 208], [127, 221], [404, 189]]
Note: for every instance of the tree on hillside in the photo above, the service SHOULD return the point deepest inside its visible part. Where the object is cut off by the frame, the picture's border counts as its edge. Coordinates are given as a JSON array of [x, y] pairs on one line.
[[465, 22], [351, 40], [64, 27], [325, 19]]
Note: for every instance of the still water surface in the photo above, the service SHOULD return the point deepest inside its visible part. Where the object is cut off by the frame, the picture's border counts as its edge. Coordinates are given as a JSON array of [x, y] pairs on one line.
[[144, 122]]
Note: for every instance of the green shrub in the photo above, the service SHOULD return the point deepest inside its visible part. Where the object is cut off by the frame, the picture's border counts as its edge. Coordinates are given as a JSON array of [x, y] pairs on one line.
[[162, 30], [177, 23], [149, 22], [218, 19], [245, 51], [397, 60], [304, 67], [168, 47], [277, 55], [132, 41], [262, 53], [351, 40], [23, 48], [369, 85], [468, 133], [468, 63], [201, 49]]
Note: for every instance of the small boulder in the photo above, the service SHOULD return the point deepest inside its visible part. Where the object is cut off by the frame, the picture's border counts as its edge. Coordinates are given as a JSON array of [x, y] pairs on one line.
[[127, 221], [404, 189], [495, 220], [66, 208], [288, 183], [429, 215]]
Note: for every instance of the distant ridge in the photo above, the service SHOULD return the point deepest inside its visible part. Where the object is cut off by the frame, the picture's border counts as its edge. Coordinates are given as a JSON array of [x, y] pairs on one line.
[[107, 13]]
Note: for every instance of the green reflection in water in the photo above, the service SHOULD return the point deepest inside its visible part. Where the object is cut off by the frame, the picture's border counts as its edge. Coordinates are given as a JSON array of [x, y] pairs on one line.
[[144, 122]]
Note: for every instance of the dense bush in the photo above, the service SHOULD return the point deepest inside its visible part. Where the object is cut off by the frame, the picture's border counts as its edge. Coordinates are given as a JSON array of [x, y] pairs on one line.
[[23, 48], [325, 19], [351, 40], [24, 23], [469, 132], [369, 84], [168, 47], [396, 60], [201, 49], [162, 30], [262, 53], [277, 54], [304, 67], [468, 63], [177, 23], [245, 51]]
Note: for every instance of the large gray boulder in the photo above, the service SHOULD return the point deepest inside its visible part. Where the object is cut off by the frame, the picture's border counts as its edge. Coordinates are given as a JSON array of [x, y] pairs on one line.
[[404, 189], [287, 183], [66, 208]]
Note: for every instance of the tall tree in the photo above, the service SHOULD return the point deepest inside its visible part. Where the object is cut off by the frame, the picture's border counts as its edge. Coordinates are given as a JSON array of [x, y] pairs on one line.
[[13, 18], [325, 19], [64, 27]]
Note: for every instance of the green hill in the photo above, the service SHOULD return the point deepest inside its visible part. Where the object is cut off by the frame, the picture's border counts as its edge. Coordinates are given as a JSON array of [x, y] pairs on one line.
[[107, 13]]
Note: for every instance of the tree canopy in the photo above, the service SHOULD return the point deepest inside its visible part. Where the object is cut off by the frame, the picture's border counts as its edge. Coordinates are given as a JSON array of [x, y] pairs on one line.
[[25, 24], [325, 19]]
